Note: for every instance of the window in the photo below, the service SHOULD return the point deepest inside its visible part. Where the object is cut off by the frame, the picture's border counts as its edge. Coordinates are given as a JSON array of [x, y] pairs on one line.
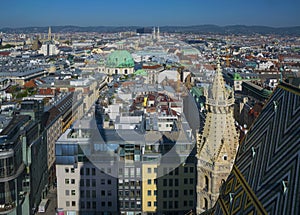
[[108, 170], [149, 170], [155, 203], [155, 193], [191, 203], [82, 205], [93, 193], [176, 193], [175, 204], [67, 181], [176, 182], [87, 171], [186, 170], [93, 171], [206, 185], [67, 192], [103, 204], [126, 172], [88, 194], [138, 171], [102, 192], [149, 192], [132, 204], [67, 204], [102, 181], [87, 182], [185, 181], [155, 170], [185, 192], [191, 169], [184, 203], [73, 193], [205, 204], [191, 181], [225, 157], [109, 192], [108, 181], [82, 182], [88, 205], [72, 181], [191, 192], [93, 182], [72, 170], [94, 205], [132, 172], [66, 170], [170, 182], [170, 193], [149, 204], [73, 203], [165, 194], [81, 193], [165, 182], [165, 205], [149, 181], [109, 204], [81, 171], [170, 204], [155, 181]]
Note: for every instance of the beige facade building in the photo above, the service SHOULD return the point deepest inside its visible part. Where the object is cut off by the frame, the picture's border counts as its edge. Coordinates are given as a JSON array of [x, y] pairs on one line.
[[216, 144]]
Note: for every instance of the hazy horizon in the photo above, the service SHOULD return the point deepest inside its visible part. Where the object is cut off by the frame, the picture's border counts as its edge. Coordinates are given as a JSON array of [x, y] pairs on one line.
[[118, 13]]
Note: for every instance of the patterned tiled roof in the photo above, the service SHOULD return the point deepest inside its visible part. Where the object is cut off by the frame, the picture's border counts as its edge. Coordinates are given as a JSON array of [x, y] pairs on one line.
[[265, 177]]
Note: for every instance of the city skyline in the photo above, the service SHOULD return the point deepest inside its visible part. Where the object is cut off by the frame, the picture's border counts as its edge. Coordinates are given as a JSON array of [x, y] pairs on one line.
[[152, 13]]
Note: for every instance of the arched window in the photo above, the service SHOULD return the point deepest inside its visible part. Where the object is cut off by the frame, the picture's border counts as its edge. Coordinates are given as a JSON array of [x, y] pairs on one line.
[[205, 204], [206, 185], [126, 71], [116, 71]]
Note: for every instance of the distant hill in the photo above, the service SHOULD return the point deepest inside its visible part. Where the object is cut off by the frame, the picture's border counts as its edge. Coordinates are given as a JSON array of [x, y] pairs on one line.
[[233, 29]]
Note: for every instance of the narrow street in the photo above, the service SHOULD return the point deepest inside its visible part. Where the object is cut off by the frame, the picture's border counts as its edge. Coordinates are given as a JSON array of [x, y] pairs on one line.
[[51, 209]]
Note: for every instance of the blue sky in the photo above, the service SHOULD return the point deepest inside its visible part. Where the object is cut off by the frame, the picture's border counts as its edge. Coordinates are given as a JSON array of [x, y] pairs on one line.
[[20, 13]]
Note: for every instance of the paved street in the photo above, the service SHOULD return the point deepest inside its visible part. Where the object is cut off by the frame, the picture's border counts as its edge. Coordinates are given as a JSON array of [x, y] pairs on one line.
[[52, 196]]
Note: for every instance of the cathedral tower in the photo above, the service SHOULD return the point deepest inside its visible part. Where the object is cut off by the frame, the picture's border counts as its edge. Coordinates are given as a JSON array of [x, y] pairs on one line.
[[216, 144], [49, 34]]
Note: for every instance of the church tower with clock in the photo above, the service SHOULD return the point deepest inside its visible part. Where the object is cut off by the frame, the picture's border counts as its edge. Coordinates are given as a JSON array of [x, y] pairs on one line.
[[216, 144]]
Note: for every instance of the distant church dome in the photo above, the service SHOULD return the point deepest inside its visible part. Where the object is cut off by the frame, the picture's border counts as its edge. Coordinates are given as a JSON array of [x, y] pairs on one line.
[[120, 59]]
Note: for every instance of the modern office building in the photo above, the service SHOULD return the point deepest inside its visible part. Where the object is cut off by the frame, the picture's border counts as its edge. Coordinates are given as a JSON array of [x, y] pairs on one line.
[[23, 182], [143, 146]]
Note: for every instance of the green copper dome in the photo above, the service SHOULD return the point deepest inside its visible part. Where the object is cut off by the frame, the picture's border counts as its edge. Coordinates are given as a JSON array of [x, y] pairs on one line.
[[120, 59]]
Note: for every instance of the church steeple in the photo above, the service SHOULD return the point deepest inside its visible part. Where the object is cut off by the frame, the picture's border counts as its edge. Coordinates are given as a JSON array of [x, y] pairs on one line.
[[217, 144], [49, 34]]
